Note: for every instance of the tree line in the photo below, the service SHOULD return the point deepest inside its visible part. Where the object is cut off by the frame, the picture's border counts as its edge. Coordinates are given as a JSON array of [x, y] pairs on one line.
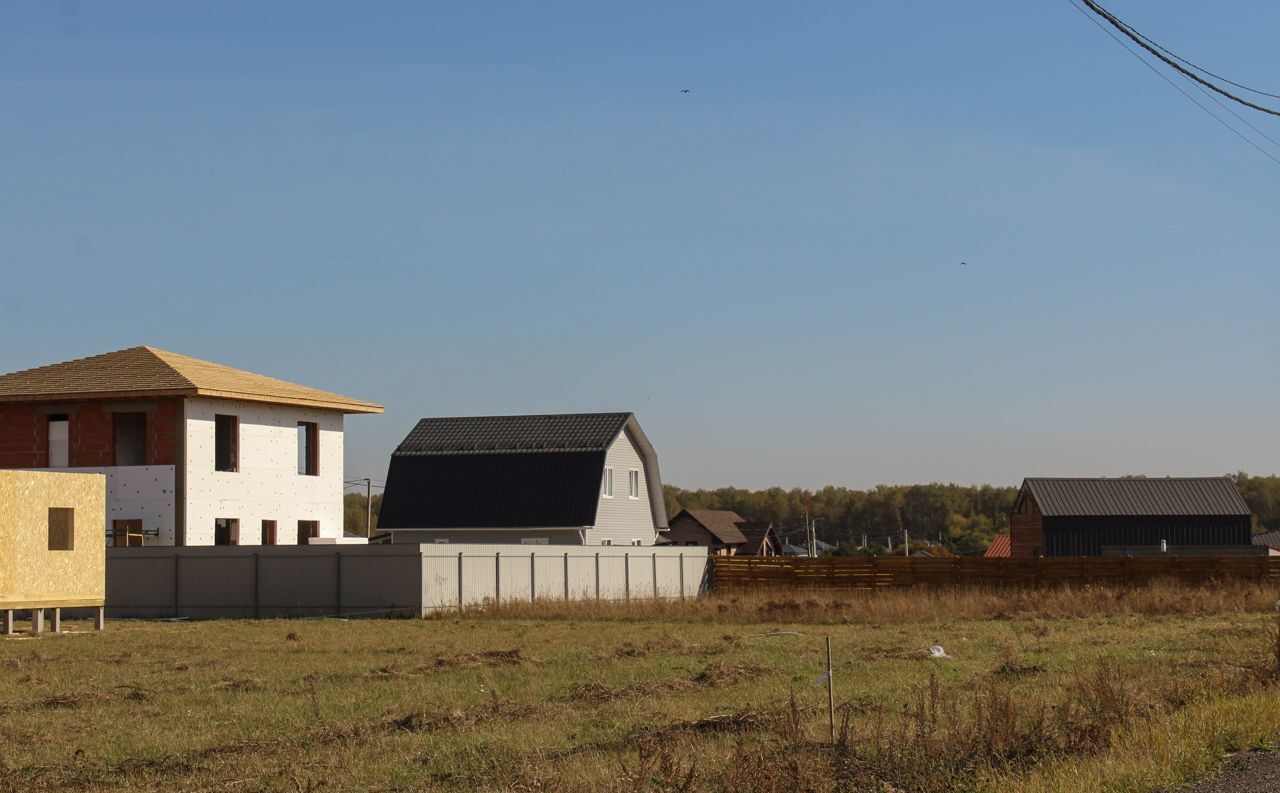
[[954, 518]]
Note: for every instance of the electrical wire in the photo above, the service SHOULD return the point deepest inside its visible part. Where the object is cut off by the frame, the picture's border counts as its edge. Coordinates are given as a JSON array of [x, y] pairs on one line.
[[1125, 29], [1176, 87]]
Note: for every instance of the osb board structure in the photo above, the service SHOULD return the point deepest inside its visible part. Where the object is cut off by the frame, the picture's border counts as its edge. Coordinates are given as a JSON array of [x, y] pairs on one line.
[[872, 572], [32, 575]]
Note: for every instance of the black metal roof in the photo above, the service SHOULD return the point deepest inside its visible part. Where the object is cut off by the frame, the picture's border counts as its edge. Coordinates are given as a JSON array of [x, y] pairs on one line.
[[563, 432], [1184, 497]]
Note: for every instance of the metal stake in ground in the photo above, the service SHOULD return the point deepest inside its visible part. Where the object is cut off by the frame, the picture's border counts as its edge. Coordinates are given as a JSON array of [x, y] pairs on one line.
[[831, 695]]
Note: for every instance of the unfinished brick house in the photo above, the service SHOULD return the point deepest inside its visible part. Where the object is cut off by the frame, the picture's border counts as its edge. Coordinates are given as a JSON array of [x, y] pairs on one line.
[[194, 453]]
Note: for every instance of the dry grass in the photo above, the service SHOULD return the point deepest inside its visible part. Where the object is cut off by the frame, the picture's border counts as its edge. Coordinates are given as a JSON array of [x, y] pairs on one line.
[[1054, 690]]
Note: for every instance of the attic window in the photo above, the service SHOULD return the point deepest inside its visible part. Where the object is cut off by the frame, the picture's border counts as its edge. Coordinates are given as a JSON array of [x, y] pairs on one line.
[[226, 443], [633, 483], [606, 484], [62, 529]]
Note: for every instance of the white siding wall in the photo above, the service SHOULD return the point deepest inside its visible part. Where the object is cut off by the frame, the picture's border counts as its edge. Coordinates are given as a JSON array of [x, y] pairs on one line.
[[268, 485], [623, 519]]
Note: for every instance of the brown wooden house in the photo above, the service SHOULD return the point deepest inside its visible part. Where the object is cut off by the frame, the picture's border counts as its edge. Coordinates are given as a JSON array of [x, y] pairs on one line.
[[1101, 517], [716, 529]]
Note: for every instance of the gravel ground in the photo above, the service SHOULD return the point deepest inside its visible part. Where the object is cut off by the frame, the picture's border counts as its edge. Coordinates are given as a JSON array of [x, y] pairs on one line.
[[1247, 772]]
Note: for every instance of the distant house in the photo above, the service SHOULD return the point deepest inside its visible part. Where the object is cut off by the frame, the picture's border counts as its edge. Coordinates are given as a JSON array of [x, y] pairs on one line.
[[1270, 540], [823, 548], [560, 479], [999, 547], [1096, 517], [194, 453], [762, 539], [716, 529]]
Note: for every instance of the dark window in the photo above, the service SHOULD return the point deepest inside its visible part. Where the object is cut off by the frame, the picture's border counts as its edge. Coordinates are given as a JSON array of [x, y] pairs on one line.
[[268, 532], [226, 443], [62, 529], [307, 529], [308, 448], [130, 438], [226, 531]]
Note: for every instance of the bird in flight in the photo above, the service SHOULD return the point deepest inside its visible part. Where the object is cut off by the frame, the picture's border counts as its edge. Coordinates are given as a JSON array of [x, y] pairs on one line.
[[684, 90]]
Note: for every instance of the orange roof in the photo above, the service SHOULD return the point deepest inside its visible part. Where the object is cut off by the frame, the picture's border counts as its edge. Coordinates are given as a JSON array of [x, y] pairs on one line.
[[1000, 546], [148, 372]]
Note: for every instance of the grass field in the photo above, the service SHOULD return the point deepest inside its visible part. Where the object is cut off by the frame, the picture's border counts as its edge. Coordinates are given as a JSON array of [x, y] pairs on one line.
[[1062, 690]]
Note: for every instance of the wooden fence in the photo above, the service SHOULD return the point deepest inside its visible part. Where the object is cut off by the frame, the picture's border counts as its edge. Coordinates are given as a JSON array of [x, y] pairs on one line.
[[874, 572]]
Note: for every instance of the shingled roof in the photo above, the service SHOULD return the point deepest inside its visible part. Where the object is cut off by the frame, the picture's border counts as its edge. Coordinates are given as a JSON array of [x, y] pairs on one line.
[[146, 372], [722, 523], [532, 471], [1174, 497]]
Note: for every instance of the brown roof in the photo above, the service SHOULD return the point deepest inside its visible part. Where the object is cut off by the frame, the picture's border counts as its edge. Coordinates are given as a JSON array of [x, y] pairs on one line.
[[722, 523], [999, 546], [1165, 496], [756, 533], [148, 372]]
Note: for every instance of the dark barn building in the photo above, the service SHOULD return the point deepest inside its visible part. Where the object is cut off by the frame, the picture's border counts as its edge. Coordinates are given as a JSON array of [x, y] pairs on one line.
[[1099, 517]]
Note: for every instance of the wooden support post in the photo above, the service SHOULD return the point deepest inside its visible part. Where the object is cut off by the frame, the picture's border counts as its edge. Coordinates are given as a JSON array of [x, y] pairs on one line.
[[37, 620], [459, 581], [56, 623], [7, 628], [497, 577], [533, 576], [99, 618], [566, 575]]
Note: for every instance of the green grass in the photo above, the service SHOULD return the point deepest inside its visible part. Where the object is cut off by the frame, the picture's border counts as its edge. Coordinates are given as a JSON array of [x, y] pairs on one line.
[[650, 698]]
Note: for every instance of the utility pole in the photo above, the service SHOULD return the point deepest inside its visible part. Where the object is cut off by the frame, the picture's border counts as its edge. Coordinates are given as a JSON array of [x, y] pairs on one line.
[[368, 508]]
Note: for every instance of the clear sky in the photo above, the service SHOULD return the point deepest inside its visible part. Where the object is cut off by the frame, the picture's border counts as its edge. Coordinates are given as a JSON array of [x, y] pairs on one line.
[[481, 208]]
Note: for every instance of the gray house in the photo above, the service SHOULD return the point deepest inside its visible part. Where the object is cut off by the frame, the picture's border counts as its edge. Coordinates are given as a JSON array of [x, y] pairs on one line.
[[562, 479]]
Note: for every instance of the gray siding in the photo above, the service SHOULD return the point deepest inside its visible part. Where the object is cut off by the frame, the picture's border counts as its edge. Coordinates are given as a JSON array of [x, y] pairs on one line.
[[622, 518]]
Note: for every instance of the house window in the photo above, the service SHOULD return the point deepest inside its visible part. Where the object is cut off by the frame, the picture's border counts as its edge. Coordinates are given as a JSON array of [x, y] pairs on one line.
[[308, 448], [129, 431], [127, 533], [606, 542], [226, 531], [633, 484], [59, 440], [268, 532], [534, 541], [637, 542], [62, 529], [606, 485], [307, 529], [226, 443]]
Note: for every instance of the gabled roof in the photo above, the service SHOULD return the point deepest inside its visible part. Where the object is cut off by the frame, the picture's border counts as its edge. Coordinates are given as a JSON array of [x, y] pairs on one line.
[[146, 372], [1270, 539], [1000, 546], [1174, 497], [721, 523], [757, 533], [538, 471], [564, 432]]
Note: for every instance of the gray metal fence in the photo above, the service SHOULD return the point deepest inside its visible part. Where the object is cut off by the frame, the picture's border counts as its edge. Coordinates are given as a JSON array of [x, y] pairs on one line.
[[379, 580]]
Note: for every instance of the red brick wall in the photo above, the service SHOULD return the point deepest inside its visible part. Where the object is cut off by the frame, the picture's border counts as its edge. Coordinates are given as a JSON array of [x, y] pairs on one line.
[[24, 435]]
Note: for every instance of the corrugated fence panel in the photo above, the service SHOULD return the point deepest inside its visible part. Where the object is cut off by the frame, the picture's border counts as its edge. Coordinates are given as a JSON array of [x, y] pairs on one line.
[[318, 581]]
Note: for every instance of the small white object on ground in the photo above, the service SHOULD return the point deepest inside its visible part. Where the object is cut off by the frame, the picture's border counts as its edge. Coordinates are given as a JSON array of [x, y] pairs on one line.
[[936, 651]]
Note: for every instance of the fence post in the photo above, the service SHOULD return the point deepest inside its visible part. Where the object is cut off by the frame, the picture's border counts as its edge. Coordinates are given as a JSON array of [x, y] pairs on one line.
[[533, 585], [337, 583], [626, 575], [497, 577], [566, 575], [597, 575], [681, 556], [459, 580], [655, 575]]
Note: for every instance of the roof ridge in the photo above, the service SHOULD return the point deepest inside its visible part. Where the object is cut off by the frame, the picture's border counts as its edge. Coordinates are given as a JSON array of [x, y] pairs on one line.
[[156, 353]]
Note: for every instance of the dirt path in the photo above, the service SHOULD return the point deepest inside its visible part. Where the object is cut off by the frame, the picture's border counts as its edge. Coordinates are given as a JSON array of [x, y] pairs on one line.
[[1247, 772]]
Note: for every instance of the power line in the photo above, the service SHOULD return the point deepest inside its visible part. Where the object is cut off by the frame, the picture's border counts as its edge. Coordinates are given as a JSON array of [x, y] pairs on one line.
[[1176, 87], [1138, 39]]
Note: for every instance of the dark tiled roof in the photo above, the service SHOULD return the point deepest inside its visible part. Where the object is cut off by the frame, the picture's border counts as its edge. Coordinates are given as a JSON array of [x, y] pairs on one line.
[[722, 523], [534, 490], [1181, 497], [560, 433], [1000, 546], [1268, 538]]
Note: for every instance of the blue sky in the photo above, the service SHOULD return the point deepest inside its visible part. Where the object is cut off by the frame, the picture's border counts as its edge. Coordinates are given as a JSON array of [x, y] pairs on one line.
[[496, 208]]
